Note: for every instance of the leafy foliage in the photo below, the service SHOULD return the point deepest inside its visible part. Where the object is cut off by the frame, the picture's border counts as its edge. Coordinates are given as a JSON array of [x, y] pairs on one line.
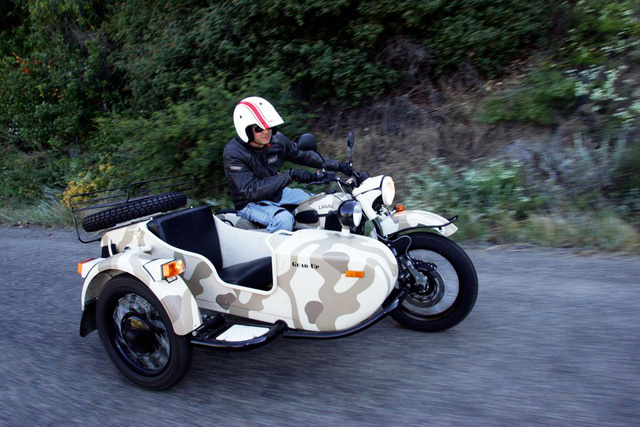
[[543, 99], [151, 84], [600, 31], [97, 93], [54, 85], [556, 196], [487, 193], [489, 34]]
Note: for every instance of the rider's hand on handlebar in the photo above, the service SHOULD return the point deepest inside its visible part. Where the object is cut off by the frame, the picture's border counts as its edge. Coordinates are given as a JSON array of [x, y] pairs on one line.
[[345, 168], [302, 176]]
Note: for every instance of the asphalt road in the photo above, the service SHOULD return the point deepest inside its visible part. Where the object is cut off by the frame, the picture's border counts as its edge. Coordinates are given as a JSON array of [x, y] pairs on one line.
[[554, 339]]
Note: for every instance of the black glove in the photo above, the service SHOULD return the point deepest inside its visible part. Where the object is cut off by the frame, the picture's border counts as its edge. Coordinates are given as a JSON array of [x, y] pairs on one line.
[[302, 176], [345, 168], [334, 165]]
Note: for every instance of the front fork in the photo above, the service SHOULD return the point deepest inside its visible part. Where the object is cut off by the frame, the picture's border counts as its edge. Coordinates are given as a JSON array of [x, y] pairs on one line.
[[408, 270], [414, 278], [410, 277]]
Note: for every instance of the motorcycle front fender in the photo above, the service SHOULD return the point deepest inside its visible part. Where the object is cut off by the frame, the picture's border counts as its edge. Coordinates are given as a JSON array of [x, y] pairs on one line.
[[405, 220]]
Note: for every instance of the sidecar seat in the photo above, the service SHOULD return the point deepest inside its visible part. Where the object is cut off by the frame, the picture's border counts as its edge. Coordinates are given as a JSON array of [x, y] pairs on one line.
[[194, 230]]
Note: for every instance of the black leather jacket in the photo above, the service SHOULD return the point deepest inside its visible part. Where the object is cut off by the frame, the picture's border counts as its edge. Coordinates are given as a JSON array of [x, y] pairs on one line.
[[253, 174]]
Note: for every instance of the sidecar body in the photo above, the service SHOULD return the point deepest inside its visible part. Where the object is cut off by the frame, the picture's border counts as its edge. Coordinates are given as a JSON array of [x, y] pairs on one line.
[[312, 280]]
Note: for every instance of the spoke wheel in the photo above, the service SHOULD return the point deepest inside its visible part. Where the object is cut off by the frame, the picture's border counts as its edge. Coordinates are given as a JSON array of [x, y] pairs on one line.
[[447, 290], [136, 333], [140, 335]]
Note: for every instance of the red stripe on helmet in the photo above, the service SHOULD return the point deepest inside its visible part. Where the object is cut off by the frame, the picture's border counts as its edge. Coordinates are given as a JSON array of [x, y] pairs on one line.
[[257, 113]]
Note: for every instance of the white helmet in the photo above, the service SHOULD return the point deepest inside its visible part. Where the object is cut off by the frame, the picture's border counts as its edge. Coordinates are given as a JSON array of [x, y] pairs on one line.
[[254, 111]]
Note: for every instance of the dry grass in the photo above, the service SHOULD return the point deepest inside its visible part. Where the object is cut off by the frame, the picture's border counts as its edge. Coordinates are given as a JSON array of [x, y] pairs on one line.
[[49, 212], [402, 133], [603, 231]]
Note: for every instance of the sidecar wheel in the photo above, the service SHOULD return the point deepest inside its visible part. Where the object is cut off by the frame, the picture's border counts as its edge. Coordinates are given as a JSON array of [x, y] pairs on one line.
[[452, 285], [136, 333]]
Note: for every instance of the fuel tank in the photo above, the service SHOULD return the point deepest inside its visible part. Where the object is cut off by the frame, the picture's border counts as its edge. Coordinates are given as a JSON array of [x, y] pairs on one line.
[[319, 211]]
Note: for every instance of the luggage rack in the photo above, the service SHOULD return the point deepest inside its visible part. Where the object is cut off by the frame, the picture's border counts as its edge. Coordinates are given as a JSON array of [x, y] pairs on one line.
[[85, 204]]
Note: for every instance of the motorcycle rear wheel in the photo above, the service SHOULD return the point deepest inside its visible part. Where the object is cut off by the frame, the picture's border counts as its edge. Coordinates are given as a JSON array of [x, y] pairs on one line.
[[452, 284]]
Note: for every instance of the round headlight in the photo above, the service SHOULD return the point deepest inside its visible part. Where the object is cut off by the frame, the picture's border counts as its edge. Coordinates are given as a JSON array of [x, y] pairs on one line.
[[350, 213], [388, 189]]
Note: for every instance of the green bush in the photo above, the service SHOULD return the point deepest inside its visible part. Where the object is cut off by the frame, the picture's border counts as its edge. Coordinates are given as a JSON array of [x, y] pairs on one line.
[[189, 136], [626, 182], [488, 189], [544, 98], [328, 51], [600, 30], [505, 201], [185, 137], [55, 82], [487, 34], [21, 176], [487, 197]]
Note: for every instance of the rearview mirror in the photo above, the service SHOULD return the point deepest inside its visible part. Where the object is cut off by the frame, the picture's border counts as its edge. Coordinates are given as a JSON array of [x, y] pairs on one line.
[[307, 142], [350, 140]]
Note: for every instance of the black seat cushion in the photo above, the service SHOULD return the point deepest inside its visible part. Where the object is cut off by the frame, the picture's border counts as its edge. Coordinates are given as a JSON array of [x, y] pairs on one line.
[[192, 230], [255, 274]]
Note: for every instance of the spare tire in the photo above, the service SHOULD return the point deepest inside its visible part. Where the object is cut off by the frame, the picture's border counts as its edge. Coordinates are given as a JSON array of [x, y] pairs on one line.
[[135, 208]]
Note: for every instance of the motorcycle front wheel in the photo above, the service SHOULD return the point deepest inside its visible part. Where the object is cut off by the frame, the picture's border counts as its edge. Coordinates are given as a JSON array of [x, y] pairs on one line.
[[451, 285]]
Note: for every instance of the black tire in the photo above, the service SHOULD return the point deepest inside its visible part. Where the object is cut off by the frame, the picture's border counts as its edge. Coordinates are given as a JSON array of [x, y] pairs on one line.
[[133, 209], [136, 333], [452, 285]]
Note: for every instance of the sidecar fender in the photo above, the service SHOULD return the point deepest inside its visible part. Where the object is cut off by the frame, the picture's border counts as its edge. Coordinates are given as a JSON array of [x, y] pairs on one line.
[[405, 220], [174, 295]]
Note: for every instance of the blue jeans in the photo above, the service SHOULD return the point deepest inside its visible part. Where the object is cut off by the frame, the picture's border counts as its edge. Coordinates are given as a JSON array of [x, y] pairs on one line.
[[271, 214]]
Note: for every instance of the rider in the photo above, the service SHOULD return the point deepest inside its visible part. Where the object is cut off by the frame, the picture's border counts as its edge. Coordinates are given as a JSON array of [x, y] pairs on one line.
[[252, 163]]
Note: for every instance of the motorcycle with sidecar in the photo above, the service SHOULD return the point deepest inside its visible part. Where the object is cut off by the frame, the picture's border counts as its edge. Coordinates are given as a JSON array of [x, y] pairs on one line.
[[168, 278]]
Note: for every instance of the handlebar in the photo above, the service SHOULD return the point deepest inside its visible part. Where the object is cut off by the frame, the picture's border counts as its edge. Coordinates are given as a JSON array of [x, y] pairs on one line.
[[325, 177]]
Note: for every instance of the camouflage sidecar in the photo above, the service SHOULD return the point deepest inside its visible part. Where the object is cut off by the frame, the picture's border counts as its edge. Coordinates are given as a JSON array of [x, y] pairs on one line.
[[167, 281]]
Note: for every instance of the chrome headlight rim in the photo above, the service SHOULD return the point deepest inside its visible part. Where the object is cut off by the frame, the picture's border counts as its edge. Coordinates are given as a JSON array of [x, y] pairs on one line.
[[350, 214], [388, 190]]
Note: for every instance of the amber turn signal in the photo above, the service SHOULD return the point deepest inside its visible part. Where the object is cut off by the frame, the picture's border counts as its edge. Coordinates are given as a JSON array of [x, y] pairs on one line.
[[80, 264], [351, 273], [400, 207], [172, 268]]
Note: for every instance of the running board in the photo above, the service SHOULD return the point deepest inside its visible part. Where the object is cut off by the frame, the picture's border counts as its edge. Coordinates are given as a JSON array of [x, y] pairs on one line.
[[238, 337], [217, 333]]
